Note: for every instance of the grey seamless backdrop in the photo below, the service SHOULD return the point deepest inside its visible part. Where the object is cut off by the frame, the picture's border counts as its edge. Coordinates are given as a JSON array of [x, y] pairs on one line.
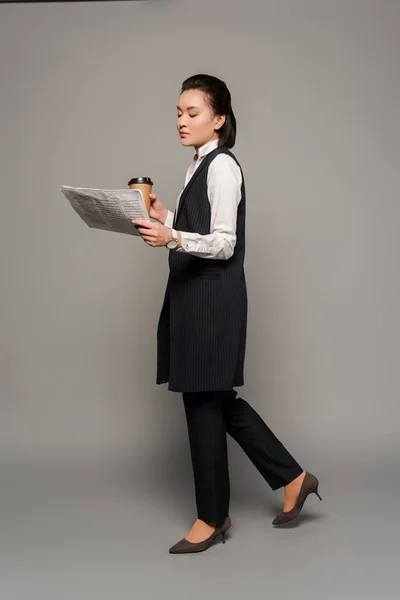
[[88, 95]]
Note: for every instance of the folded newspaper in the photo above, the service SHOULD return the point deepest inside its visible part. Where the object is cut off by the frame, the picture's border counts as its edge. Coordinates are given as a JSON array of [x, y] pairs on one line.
[[111, 210]]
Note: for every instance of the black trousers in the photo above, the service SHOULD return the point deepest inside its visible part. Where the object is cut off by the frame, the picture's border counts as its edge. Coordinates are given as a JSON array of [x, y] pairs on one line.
[[210, 416]]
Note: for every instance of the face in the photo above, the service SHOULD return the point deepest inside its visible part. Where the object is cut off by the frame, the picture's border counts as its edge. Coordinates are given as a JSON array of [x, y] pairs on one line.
[[196, 123]]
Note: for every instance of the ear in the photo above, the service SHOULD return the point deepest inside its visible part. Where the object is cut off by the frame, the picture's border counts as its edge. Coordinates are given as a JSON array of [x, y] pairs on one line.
[[219, 121]]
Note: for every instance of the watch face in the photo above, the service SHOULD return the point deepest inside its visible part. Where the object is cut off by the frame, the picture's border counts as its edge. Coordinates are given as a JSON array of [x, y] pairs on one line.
[[172, 244]]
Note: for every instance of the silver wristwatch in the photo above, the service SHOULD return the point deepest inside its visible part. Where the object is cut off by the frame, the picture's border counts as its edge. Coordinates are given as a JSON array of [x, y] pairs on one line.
[[173, 242]]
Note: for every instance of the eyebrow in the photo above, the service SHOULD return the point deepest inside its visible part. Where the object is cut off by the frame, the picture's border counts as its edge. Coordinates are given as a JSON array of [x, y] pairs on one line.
[[189, 108]]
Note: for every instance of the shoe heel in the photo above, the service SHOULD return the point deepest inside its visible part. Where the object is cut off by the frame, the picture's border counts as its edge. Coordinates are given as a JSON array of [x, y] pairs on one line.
[[316, 491], [223, 537]]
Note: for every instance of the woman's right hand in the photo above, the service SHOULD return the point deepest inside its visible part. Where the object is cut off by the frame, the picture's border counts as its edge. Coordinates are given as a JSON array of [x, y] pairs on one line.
[[157, 210]]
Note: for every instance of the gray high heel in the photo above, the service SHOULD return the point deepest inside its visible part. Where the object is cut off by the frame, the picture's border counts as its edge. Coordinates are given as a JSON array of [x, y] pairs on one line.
[[309, 486], [184, 546]]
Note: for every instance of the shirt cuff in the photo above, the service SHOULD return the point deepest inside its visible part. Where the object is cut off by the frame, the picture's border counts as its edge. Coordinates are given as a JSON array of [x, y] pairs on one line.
[[191, 243], [204, 247]]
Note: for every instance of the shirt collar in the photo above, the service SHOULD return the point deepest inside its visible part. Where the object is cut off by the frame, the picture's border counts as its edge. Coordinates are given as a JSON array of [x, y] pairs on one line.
[[207, 148]]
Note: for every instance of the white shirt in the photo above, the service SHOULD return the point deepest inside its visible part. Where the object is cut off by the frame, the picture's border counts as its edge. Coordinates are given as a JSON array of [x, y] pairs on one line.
[[224, 180]]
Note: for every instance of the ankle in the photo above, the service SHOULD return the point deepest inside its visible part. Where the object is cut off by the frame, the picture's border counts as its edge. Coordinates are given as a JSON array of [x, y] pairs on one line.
[[202, 522]]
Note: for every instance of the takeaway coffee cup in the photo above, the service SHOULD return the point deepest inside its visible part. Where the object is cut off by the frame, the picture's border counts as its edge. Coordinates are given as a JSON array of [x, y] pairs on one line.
[[144, 184]]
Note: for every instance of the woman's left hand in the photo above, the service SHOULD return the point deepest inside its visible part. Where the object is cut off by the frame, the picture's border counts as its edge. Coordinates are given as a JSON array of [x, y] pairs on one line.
[[154, 234]]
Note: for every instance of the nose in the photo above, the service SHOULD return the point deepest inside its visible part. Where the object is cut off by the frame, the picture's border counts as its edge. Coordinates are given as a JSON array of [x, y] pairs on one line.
[[181, 122]]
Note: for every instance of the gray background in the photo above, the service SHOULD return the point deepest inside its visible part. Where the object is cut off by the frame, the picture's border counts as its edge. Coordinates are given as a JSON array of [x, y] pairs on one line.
[[94, 456]]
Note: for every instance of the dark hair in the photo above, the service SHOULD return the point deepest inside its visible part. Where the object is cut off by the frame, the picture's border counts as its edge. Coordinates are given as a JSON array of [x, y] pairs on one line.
[[219, 99]]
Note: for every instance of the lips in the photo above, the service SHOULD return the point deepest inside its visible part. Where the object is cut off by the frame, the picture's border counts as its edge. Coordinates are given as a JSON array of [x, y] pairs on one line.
[[183, 133]]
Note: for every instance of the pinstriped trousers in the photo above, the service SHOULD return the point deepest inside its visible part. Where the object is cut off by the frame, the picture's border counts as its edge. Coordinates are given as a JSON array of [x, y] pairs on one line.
[[210, 416]]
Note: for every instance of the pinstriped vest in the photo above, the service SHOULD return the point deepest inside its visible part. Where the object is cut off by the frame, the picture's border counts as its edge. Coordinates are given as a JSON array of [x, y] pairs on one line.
[[202, 326]]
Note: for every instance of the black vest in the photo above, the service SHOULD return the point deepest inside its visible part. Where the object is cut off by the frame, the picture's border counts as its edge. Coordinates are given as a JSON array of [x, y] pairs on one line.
[[202, 326]]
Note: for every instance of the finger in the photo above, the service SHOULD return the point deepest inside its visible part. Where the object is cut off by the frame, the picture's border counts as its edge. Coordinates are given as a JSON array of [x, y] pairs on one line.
[[151, 243], [147, 232], [142, 223]]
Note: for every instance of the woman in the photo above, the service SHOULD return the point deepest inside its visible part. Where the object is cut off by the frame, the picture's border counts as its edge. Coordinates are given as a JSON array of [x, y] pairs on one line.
[[202, 327]]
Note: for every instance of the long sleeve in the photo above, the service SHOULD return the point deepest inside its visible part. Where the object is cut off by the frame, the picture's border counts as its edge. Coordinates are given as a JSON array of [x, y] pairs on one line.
[[169, 221], [224, 182]]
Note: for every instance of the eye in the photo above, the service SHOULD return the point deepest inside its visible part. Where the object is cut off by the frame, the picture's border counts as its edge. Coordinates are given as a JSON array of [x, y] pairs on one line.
[[193, 116]]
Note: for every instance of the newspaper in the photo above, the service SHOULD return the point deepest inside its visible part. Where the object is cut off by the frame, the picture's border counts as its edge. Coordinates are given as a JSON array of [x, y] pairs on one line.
[[111, 210]]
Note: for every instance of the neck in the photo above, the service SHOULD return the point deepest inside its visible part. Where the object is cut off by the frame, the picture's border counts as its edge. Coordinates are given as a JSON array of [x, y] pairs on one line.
[[205, 143]]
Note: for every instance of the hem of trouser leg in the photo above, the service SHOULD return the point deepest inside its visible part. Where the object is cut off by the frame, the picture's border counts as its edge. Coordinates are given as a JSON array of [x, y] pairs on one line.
[[281, 485], [218, 521]]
